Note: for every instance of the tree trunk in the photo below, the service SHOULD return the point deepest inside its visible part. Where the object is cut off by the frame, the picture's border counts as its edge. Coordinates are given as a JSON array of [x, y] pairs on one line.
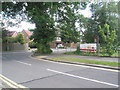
[[43, 49]]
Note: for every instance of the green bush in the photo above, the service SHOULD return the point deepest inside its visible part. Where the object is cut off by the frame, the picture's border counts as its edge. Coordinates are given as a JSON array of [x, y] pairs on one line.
[[32, 44], [43, 49], [78, 50], [109, 37], [20, 38], [11, 39]]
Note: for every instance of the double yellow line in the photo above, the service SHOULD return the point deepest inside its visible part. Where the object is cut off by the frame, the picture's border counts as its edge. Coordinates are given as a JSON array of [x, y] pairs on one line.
[[10, 83]]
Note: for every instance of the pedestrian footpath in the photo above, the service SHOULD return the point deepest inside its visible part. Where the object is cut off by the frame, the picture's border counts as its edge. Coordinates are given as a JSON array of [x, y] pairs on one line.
[[59, 53], [96, 58]]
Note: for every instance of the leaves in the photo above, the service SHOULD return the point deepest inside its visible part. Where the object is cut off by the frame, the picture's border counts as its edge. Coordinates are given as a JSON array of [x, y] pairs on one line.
[[20, 38], [102, 13], [109, 38], [45, 15]]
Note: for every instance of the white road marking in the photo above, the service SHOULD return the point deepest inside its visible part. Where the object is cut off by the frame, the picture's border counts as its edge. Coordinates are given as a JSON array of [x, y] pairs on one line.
[[24, 63], [83, 78]]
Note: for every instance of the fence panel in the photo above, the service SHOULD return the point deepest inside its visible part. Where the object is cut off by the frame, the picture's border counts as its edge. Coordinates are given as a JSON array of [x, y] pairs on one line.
[[14, 47]]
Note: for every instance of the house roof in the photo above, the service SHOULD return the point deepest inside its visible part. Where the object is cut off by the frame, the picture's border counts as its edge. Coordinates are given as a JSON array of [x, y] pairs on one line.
[[10, 33], [28, 32]]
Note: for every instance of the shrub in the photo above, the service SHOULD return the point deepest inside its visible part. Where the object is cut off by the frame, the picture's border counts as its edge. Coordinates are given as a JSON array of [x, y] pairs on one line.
[[11, 39], [43, 49], [78, 50], [20, 38], [32, 44], [109, 37]]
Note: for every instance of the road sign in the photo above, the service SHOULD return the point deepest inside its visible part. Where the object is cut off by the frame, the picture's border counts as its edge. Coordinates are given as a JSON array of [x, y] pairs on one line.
[[92, 47]]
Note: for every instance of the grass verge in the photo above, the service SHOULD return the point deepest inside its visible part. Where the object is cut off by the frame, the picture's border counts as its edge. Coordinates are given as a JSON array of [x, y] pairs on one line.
[[90, 54], [114, 64]]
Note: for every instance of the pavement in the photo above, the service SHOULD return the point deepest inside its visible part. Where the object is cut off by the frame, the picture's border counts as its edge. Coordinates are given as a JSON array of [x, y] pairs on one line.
[[37, 73], [59, 53], [96, 58]]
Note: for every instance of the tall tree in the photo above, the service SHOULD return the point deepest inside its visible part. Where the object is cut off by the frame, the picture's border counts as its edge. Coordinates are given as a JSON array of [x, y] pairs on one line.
[[44, 15], [45, 31], [68, 17], [109, 37], [102, 13], [67, 22]]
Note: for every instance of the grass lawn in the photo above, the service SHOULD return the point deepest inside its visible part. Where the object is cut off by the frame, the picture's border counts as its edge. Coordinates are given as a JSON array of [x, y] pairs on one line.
[[90, 54], [114, 64]]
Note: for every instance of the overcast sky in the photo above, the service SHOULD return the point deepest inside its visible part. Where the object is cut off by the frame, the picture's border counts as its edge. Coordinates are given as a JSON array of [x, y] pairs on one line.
[[26, 25]]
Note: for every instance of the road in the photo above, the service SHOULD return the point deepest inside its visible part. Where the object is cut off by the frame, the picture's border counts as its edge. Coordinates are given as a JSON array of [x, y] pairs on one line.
[[33, 73]]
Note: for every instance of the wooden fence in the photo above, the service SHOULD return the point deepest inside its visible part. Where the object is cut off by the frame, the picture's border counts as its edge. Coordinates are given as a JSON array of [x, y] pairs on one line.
[[14, 47]]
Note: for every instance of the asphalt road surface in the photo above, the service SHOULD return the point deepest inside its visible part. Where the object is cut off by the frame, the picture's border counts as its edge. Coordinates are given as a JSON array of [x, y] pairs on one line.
[[33, 73]]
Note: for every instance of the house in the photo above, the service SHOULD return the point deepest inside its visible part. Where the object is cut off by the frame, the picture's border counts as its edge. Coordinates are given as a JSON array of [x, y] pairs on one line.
[[12, 33], [57, 40], [26, 34], [54, 43]]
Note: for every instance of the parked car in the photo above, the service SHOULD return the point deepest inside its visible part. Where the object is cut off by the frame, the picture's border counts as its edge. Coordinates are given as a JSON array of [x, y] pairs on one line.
[[60, 46]]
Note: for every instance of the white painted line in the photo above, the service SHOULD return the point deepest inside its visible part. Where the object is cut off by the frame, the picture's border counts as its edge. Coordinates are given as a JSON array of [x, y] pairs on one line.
[[24, 63], [84, 78]]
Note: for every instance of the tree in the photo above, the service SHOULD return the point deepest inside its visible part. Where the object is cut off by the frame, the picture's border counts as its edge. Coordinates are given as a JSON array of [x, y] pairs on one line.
[[68, 16], [4, 35], [69, 31], [102, 13], [90, 32], [45, 31], [44, 15], [109, 37], [20, 38], [38, 13]]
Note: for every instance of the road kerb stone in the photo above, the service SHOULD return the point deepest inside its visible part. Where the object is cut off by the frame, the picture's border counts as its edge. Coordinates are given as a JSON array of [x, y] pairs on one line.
[[86, 64]]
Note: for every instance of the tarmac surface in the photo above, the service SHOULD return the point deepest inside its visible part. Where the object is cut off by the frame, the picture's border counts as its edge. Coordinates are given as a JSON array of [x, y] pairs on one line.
[[34, 73]]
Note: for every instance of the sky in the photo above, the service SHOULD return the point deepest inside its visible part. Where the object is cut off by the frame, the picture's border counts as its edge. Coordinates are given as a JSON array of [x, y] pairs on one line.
[[23, 26], [27, 26], [86, 12]]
